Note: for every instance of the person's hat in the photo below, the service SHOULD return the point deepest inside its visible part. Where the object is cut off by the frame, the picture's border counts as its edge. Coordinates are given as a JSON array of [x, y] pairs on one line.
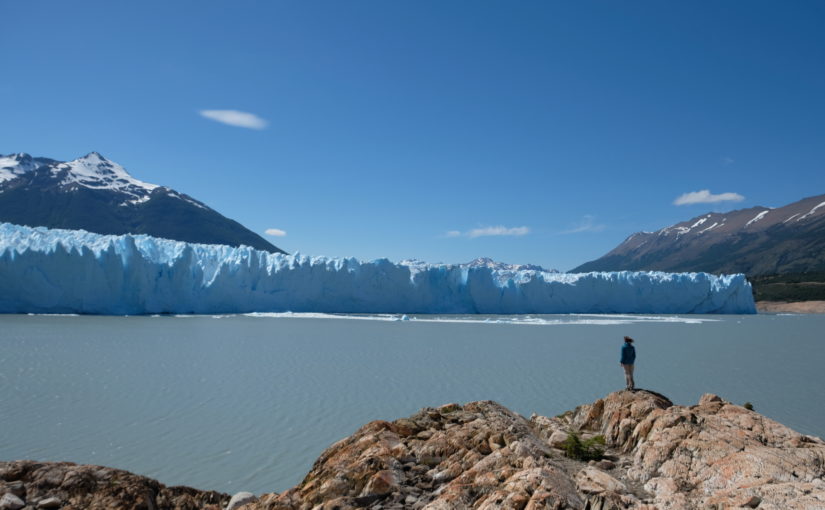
[[628, 339]]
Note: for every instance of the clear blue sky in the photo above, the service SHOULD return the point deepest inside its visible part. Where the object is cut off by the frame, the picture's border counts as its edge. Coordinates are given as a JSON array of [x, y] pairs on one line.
[[398, 129]]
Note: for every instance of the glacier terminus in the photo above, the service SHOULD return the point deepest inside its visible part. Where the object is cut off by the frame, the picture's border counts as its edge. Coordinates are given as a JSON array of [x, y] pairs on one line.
[[73, 271]]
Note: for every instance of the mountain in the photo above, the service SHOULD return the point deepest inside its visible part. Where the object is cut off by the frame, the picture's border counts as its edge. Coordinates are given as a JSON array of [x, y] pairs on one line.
[[755, 241], [503, 266], [94, 194], [485, 262]]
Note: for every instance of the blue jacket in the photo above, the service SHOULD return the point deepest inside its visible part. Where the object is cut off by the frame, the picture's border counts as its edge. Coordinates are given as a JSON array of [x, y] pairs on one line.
[[628, 354]]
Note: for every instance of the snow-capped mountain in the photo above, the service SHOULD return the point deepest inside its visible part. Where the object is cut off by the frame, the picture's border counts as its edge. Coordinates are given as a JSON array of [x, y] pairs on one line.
[[483, 262], [755, 241], [98, 195], [503, 266]]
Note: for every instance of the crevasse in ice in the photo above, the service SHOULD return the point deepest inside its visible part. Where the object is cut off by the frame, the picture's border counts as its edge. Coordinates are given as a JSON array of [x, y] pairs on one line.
[[68, 271]]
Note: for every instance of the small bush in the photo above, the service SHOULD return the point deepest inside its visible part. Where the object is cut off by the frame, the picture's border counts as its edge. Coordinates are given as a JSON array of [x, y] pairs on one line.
[[748, 406], [589, 449]]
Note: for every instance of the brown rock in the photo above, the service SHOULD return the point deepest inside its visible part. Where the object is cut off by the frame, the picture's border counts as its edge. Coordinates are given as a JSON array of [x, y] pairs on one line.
[[404, 427], [449, 408], [49, 503], [557, 439], [751, 502], [11, 502], [708, 398], [17, 488], [94, 487], [380, 484], [594, 481], [605, 464]]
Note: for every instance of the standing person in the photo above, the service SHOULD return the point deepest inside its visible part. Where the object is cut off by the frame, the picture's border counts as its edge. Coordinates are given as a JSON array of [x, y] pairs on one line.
[[628, 358]]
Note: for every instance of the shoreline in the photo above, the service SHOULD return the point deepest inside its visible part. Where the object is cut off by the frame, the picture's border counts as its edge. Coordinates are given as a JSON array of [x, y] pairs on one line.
[[805, 307]]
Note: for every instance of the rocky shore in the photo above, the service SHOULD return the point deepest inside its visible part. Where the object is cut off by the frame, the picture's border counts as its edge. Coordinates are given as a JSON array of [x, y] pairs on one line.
[[713, 455]]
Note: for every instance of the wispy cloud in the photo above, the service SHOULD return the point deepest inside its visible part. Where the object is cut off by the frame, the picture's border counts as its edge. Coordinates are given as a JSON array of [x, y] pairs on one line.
[[489, 231], [586, 224], [275, 232], [498, 231], [235, 118], [706, 197], [727, 160]]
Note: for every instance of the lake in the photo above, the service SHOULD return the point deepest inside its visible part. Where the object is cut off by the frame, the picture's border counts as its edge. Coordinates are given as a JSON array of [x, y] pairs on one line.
[[248, 402]]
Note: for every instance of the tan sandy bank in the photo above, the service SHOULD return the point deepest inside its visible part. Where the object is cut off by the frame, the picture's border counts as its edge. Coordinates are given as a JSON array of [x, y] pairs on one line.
[[795, 307]]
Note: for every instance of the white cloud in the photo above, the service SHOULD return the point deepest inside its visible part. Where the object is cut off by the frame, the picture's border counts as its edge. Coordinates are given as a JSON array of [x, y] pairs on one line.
[[586, 224], [489, 231], [728, 161], [275, 232], [706, 197], [235, 118], [498, 231]]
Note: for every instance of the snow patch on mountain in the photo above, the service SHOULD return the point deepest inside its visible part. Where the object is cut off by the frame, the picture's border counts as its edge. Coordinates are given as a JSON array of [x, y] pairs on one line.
[[91, 171], [96, 172], [15, 165], [757, 217], [811, 212], [67, 271], [702, 220]]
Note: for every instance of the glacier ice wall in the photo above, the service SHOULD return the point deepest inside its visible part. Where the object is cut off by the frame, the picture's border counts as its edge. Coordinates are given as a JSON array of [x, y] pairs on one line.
[[65, 271]]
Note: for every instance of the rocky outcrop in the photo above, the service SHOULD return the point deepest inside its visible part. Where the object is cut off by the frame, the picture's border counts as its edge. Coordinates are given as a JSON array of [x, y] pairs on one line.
[[52, 485], [711, 455], [659, 456], [480, 455], [714, 455]]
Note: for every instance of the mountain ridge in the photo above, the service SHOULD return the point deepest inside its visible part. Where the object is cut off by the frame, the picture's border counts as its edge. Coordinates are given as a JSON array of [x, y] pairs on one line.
[[98, 195], [755, 241]]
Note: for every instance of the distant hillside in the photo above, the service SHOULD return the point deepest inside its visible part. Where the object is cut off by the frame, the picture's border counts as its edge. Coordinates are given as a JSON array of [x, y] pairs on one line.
[[789, 287], [94, 194], [756, 241]]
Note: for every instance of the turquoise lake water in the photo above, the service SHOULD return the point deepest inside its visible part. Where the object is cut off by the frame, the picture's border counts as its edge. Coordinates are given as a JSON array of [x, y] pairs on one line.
[[236, 403]]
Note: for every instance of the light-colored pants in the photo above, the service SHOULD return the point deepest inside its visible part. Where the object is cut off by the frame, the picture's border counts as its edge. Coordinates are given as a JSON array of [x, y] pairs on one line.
[[628, 376]]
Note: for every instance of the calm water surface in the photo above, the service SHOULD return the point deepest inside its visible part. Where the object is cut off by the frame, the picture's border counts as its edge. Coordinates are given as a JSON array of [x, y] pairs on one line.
[[247, 403]]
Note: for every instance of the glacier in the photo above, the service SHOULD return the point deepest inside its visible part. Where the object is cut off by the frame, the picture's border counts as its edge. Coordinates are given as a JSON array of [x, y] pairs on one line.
[[73, 271]]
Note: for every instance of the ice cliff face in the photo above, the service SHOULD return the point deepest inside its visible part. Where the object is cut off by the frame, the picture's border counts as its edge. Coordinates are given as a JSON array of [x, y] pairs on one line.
[[69, 271]]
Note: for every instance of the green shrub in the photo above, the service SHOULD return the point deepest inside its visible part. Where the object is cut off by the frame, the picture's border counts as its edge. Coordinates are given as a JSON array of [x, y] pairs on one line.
[[748, 406], [589, 449]]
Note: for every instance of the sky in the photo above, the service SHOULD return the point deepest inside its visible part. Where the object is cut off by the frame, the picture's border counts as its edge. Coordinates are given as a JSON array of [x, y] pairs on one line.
[[529, 132]]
